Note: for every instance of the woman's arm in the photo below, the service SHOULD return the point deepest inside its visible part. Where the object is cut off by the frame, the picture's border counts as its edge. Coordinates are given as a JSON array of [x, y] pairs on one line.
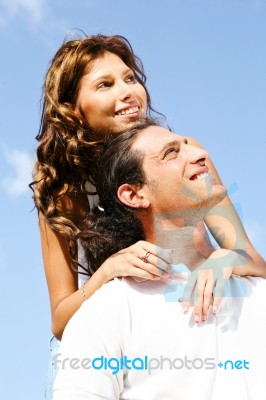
[[227, 229], [64, 295], [66, 298], [235, 256]]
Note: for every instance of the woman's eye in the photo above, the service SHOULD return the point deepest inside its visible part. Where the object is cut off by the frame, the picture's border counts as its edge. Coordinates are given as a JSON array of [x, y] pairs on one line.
[[131, 78], [103, 85], [171, 153]]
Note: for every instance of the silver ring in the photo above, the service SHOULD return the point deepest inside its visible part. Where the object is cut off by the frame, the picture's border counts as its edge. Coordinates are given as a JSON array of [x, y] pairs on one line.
[[145, 258]]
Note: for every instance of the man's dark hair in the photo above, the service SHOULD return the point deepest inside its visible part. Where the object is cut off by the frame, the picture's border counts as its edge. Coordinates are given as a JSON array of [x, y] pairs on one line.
[[113, 226]]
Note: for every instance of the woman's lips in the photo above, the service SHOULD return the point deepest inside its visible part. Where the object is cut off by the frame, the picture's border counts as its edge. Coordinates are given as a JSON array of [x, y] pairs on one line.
[[133, 110]]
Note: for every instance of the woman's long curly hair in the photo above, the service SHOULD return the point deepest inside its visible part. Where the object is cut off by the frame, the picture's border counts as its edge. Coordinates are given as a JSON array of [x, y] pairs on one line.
[[66, 152], [114, 226]]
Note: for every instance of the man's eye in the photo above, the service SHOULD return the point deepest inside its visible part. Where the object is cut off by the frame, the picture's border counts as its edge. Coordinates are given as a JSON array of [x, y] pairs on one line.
[[170, 153]]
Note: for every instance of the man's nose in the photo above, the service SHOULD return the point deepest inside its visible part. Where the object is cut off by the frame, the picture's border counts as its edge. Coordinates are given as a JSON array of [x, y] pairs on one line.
[[195, 155]]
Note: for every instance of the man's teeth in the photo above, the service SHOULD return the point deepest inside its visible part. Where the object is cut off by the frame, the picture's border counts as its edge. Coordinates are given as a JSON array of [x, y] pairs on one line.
[[130, 110], [200, 176]]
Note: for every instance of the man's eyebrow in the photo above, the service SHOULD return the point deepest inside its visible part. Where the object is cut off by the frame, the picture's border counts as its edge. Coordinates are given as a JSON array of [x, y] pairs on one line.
[[169, 144]]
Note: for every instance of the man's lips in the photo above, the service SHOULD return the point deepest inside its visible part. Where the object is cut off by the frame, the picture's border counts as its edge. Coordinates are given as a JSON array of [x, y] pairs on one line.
[[199, 173]]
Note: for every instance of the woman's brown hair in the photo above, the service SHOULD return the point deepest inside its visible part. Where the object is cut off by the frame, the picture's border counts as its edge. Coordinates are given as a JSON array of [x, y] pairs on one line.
[[66, 152]]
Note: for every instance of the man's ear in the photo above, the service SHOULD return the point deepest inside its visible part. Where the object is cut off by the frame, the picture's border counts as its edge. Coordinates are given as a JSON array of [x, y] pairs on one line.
[[132, 196]]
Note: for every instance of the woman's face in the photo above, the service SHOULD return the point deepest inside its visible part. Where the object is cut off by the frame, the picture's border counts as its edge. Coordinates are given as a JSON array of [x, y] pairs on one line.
[[110, 98]]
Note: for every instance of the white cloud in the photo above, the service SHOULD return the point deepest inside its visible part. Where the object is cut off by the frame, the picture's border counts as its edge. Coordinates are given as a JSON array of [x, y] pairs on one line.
[[33, 9], [38, 15], [21, 163]]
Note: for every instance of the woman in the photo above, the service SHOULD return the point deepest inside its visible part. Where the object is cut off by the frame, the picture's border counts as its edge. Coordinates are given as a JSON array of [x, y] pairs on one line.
[[95, 86]]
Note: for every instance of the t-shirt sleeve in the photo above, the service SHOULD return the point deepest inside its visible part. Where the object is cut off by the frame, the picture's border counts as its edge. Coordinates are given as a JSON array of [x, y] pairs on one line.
[[89, 360]]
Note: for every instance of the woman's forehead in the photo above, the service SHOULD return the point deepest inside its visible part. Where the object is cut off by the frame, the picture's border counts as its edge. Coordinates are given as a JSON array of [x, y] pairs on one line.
[[105, 64]]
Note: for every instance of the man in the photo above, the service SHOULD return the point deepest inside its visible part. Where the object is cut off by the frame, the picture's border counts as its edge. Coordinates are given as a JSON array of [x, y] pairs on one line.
[[132, 340]]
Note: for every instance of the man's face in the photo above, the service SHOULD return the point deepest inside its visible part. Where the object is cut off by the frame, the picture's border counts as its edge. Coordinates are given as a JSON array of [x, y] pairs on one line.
[[177, 174]]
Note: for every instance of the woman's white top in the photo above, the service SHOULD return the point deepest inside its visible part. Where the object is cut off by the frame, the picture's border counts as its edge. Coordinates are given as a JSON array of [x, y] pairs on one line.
[[93, 202]]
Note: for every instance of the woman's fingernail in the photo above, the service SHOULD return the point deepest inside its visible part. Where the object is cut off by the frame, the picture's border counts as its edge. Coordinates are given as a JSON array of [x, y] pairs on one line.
[[185, 309], [203, 318], [214, 309], [197, 319]]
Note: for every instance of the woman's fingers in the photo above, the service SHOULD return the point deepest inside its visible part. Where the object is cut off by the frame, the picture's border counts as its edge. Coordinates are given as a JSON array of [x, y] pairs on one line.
[[141, 274], [205, 285], [198, 290], [151, 266], [216, 304], [187, 296], [149, 257], [198, 301], [160, 254], [218, 292], [210, 287], [156, 262], [207, 298], [143, 260]]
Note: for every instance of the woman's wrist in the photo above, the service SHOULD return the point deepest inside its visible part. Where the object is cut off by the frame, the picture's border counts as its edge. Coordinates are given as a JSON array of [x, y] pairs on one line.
[[106, 272], [97, 280]]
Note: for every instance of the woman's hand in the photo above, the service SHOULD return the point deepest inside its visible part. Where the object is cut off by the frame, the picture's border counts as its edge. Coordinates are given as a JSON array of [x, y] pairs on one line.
[[207, 283], [142, 260]]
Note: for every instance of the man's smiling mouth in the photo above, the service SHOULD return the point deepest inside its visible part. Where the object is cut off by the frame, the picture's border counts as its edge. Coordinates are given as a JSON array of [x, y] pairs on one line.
[[199, 176]]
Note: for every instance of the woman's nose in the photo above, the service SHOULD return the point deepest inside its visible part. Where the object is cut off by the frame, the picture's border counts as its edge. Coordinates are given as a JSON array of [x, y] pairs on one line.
[[125, 91]]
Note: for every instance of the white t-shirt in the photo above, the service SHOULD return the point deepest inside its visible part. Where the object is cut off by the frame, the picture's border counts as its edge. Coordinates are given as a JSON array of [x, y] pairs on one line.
[[170, 356]]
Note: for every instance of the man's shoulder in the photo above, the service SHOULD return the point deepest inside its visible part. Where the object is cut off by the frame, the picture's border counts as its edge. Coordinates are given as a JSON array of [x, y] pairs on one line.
[[107, 307], [113, 288], [110, 296]]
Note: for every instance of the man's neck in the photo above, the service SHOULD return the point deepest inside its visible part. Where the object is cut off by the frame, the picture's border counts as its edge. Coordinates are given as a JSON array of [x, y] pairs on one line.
[[184, 232]]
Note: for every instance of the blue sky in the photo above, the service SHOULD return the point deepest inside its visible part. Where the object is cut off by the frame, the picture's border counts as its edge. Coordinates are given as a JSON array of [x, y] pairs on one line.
[[205, 61]]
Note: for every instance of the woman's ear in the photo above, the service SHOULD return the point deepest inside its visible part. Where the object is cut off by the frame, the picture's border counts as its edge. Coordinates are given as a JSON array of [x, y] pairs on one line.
[[132, 196]]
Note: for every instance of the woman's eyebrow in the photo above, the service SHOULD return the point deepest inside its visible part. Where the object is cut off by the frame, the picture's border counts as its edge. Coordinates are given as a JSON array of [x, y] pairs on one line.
[[101, 77], [108, 76]]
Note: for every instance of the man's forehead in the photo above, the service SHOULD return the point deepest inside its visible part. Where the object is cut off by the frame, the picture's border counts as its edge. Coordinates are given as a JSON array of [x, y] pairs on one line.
[[154, 138]]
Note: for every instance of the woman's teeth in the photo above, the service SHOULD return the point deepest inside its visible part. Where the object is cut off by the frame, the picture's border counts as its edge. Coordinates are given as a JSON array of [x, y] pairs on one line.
[[130, 110]]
